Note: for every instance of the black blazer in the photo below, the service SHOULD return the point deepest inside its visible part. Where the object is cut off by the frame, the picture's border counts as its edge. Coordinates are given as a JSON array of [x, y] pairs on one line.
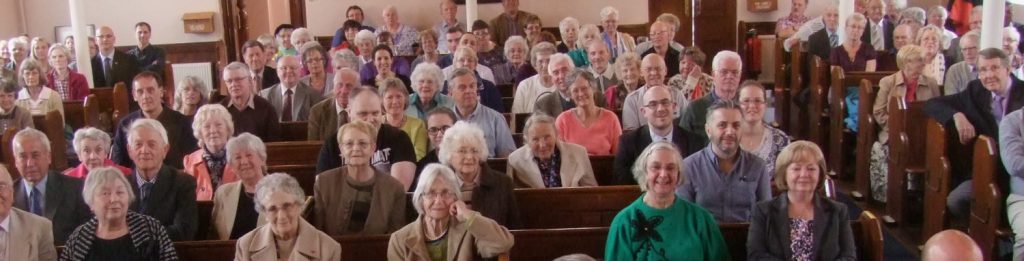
[[495, 199], [818, 44], [63, 204], [123, 69], [889, 27], [633, 142], [172, 201], [269, 77], [768, 237], [975, 102]]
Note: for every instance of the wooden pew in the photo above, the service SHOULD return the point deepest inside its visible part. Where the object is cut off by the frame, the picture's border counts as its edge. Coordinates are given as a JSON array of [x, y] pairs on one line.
[[781, 89], [577, 207], [111, 104], [506, 90], [796, 85], [293, 152], [906, 153], [520, 122], [120, 102], [204, 226], [52, 124], [294, 131], [6, 145], [602, 165], [840, 136], [816, 130], [305, 174], [937, 180], [987, 216], [92, 113], [74, 112], [507, 102], [867, 135]]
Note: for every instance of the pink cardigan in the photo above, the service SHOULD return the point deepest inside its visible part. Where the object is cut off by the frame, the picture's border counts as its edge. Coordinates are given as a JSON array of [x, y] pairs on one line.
[[601, 138], [196, 166], [77, 85]]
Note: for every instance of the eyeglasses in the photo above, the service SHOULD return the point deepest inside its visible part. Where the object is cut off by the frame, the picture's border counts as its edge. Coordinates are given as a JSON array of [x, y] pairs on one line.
[[662, 102], [287, 207], [444, 195], [236, 80], [351, 144], [658, 33], [438, 129]]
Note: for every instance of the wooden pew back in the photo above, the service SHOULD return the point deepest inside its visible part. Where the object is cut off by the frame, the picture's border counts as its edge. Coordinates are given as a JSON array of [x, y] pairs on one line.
[[867, 135], [577, 207], [838, 133], [74, 112], [937, 179], [987, 207], [52, 124], [816, 131], [294, 131], [293, 152], [906, 152], [796, 85]]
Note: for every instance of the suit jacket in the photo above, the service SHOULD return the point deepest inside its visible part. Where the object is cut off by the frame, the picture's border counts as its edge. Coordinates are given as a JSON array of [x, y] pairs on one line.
[[889, 27], [179, 136], [895, 86], [303, 99], [493, 197], [574, 167], [323, 120], [63, 204], [123, 68], [269, 77], [172, 201], [225, 205], [30, 237], [635, 141], [975, 102], [195, 165], [769, 238], [500, 24], [334, 199], [310, 244], [466, 240], [819, 45]]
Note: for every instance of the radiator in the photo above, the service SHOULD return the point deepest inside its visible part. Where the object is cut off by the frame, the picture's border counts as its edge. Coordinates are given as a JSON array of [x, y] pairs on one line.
[[202, 70], [767, 58]]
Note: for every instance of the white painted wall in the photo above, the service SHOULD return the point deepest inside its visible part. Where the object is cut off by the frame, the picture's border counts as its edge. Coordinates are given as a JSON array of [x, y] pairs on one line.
[[10, 18], [121, 15], [326, 16]]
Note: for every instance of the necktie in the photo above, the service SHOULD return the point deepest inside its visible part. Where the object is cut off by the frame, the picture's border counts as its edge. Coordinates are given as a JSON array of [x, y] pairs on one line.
[[286, 112], [258, 81], [3, 243], [147, 187], [833, 40], [106, 71], [37, 202], [997, 107]]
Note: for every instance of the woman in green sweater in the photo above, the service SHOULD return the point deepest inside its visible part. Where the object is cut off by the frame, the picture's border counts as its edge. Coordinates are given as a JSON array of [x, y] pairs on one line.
[[659, 226]]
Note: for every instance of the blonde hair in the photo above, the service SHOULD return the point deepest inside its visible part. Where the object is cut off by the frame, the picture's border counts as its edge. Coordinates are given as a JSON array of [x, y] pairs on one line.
[[799, 151]]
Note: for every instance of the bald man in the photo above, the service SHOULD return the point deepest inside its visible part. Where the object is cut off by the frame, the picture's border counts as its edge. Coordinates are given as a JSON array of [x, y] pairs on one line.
[[111, 66], [951, 245]]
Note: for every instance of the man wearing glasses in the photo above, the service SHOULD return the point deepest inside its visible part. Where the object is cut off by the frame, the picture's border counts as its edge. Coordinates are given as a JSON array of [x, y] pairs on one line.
[[659, 107], [661, 33], [438, 121], [726, 71], [249, 112]]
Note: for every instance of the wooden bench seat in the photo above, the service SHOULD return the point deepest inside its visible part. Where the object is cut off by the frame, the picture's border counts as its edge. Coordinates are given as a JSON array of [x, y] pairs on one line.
[[840, 137], [906, 154]]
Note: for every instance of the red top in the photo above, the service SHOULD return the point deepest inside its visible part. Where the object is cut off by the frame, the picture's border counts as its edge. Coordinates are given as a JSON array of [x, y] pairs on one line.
[[81, 172], [911, 88]]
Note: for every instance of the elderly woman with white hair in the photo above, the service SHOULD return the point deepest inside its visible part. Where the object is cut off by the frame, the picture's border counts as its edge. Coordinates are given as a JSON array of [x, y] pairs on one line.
[[115, 232], [191, 93], [546, 161], [18, 49], [568, 28], [286, 235], [930, 38], [426, 84], [300, 36], [489, 191], [403, 36], [618, 42], [531, 88], [516, 52], [71, 85], [35, 95], [93, 149], [1011, 40], [212, 127], [316, 66], [588, 33], [660, 225], [345, 58], [364, 43], [356, 198], [234, 210], [447, 228]]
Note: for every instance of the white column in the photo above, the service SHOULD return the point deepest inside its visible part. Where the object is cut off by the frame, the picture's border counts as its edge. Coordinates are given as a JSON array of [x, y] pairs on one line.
[[992, 24], [81, 33], [846, 8], [470, 15]]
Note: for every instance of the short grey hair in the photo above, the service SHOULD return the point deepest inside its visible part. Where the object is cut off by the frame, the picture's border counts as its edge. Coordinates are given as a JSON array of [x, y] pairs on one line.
[[347, 58], [566, 23], [587, 29], [856, 18], [238, 66], [1008, 31], [90, 133], [246, 141], [194, 82], [101, 176], [974, 35], [151, 124], [609, 12], [459, 134], [915, 13], [464, 52], [459, 72], [640, 165], [428, 71], [433, 173], [298, 33], [721, 57], [576, 74], [365, 36], [514, 40], [30, 133], [940, 10], [278, 182], [559, 57], [671, 19], [539, 49], [208, 112], [310, 47], [11, 44], [537, 118]]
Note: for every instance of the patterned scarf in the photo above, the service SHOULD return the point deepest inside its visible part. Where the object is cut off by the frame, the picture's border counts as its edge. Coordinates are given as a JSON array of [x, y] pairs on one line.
[[215, 164], [549, 170]]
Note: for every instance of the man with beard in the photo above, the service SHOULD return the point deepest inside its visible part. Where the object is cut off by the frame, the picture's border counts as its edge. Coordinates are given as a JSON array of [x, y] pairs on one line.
[[722, 178], [658, 107]]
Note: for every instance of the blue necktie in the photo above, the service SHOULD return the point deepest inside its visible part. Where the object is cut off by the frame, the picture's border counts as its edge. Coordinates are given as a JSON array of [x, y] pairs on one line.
[[37, 202], [146, 189]]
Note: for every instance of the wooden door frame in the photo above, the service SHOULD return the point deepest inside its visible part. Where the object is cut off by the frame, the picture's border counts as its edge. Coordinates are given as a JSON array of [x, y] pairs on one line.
[[297, 12], [236, 29]]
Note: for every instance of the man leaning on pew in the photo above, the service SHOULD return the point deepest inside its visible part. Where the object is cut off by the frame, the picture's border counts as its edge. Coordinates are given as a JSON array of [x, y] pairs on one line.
[[658, 107], [976, 111]]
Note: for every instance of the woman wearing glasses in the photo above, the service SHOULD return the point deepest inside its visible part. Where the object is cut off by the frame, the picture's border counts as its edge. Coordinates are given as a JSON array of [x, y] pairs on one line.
[[756, 136]]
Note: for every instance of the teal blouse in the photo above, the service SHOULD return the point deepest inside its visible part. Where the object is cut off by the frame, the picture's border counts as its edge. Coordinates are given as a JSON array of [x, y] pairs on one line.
[[683, 231]]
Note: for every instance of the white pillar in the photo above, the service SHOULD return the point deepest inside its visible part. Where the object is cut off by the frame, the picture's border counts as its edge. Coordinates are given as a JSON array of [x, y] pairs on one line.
[[470, 16], [992, 24], [81, 33], [846, 8]]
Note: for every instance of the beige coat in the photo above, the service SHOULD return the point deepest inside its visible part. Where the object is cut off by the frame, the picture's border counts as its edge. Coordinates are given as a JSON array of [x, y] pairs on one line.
[[575, 167], [482, 237], [894, 86], [225, 206], [310, 244], [30, 237], [333, 200]]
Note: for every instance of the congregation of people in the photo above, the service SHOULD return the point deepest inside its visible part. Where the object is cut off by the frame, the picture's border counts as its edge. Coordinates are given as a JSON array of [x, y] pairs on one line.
[[402, 111]]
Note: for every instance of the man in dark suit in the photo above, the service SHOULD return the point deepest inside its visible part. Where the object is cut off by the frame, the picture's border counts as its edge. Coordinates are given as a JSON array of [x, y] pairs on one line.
[[976, 111], [328, 115], [659, 105], [45, 192], [162, 192], [820, 43], [255, 56], [148, 94], [291, 98], [111, 66]]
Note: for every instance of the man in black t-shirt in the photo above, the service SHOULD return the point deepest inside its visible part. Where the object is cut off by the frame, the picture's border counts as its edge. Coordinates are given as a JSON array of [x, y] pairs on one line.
[[394, 155]]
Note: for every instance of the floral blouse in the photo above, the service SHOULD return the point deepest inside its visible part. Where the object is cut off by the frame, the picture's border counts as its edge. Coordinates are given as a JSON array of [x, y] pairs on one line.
[[801, 237], [689, 86], [772, 143]]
